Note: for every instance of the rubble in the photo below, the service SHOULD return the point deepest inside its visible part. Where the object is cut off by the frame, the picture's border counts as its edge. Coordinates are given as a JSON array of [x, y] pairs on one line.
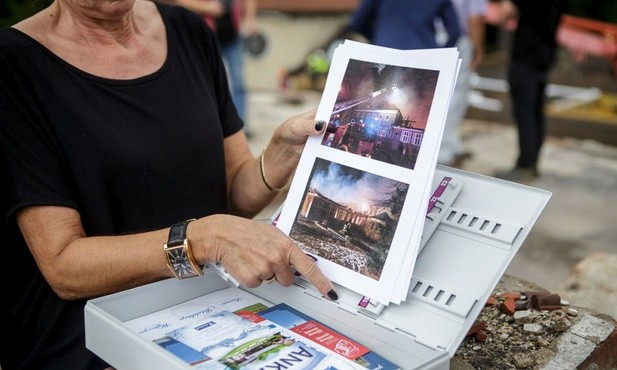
[[523, 328]]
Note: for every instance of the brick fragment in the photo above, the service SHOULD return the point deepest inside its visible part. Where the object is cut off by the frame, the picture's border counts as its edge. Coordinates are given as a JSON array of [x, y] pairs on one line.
[[546, 301], [476, 327], [491, 301], [515, 295], [481, 336], [531, 293], [508, 306], [550, 308]]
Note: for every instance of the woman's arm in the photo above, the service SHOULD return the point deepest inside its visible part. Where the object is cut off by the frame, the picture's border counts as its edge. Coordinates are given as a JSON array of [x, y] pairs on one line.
[[247, 190], [80, 267], [77, 266]]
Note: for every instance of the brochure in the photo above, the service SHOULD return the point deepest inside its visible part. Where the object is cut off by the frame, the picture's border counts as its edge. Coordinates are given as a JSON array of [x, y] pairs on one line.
[[236, 342], [233, 329], [320, 334], [155, 326]]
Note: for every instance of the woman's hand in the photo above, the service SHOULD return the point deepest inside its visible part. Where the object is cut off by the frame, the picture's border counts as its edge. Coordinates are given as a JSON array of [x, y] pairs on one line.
[[294, 132], [247, 175], [283, 152], [254, 252]]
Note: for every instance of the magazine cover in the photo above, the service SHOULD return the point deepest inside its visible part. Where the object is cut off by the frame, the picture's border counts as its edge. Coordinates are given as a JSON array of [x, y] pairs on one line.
[[235, 342], [316, 332], [358, 199]]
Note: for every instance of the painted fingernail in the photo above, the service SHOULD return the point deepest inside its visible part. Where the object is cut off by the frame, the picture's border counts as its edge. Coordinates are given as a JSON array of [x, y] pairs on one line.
[[319, 125], [297, 273], [313, 257], [332, 295]]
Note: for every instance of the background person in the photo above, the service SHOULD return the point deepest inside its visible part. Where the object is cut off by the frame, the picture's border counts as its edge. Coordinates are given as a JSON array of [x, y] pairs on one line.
[[116, 122], [405, 24], [532, 55], [232, 20], [470, 44], [237, 20]]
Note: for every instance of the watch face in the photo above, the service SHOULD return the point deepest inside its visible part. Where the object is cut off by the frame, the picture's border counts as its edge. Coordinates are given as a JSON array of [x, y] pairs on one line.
[[180, 262]]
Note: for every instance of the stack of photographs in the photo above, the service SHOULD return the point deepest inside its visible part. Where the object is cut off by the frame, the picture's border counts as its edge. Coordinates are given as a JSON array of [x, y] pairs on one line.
[[359, 197]]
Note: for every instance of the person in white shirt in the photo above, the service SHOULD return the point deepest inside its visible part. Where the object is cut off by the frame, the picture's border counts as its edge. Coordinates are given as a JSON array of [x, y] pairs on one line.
[[470, 44]]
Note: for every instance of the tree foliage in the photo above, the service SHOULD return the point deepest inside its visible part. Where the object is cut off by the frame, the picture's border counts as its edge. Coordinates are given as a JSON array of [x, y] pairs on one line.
[[13, 11]]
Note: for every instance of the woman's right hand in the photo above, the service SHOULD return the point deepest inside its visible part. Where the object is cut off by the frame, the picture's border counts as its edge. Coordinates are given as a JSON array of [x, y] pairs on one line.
[[253, 252]]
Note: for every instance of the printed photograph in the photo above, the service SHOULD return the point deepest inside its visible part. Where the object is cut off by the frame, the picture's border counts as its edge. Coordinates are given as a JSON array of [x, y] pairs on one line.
[[381, 112], [349, 216]]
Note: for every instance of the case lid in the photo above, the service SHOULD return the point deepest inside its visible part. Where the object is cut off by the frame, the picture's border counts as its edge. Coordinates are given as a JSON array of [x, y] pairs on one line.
[[472, 233]]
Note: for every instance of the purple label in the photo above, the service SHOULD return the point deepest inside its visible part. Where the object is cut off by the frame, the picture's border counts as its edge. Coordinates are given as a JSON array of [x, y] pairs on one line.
[[364, 302], [440, 189]]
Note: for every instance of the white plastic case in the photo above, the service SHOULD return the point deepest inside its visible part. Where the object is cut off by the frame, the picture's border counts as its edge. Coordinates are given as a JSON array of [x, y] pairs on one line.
[[470, 236]]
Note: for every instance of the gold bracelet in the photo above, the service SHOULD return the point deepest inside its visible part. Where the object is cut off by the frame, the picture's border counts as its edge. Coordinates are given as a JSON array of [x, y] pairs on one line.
[[263, 173]]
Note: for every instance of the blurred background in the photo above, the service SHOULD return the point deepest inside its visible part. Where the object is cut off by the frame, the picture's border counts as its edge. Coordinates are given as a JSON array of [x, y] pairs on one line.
[[572, 249]]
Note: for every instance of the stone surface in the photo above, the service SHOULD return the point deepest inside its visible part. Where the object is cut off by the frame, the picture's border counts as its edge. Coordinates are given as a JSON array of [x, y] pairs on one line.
[[593, 328], [572, 350], [604, 356]]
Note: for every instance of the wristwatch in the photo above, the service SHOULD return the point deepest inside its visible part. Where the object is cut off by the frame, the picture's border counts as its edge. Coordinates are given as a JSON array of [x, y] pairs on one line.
[[180, 259]]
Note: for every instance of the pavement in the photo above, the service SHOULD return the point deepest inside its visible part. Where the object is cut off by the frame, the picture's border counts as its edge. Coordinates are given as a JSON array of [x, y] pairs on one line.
[[572, 249]]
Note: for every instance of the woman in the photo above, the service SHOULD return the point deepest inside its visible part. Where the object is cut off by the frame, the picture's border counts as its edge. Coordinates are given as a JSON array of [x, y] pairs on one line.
[[116, 123]]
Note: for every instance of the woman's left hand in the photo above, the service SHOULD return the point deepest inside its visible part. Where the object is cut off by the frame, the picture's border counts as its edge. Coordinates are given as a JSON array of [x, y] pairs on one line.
[[283, 152]]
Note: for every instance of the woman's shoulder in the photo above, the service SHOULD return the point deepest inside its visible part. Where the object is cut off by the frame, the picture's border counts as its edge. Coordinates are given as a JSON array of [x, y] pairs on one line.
[[175, 12], [13, 40], [179, 19]]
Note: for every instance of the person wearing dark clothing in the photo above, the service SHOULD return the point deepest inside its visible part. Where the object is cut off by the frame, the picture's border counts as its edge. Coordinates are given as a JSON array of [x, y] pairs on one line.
[[405, 24], [532, 55], [228, 27]]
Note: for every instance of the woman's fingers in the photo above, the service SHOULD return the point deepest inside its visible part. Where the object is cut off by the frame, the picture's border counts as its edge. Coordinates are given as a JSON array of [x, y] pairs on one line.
[[305, 265], [255, 252], [296, 129]]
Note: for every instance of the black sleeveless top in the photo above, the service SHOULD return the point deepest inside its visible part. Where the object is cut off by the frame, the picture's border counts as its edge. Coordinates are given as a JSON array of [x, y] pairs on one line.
[[129, 155]]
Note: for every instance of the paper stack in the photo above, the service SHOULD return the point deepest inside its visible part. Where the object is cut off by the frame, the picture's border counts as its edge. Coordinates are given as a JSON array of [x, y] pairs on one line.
[[359, 197]]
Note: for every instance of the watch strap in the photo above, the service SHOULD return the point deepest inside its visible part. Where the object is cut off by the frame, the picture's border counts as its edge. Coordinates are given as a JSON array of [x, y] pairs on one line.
[[177, 232]]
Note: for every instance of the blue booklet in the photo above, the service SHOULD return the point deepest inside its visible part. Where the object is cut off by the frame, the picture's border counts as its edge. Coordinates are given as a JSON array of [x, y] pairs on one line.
[[316, 332]]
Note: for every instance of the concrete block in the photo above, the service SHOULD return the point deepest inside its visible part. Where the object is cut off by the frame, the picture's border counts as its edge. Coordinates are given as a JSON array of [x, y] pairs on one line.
[[572, 350]]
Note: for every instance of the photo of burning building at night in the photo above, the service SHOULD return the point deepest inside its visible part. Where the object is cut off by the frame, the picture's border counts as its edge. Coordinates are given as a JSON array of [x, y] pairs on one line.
[[349, 216], [381, 112]]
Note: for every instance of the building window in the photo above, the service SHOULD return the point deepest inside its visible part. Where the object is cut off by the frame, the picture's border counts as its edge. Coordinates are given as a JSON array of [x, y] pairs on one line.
[[382, 131], [417, 139], [405, 137]]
